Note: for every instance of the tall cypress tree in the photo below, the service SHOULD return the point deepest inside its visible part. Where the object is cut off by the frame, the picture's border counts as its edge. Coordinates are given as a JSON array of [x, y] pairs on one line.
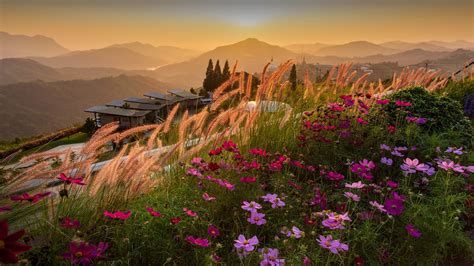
[[292, 78], [209, 80], [226, 71], [217, 76]]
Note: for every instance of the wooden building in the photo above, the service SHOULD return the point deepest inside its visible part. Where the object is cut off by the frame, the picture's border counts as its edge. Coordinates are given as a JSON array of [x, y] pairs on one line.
[[127, 118]]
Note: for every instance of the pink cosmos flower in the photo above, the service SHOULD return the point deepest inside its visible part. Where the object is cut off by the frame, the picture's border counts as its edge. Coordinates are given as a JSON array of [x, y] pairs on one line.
[[392, 184], [30, 198], [213, 231], [306, 261], [335, 246], [118, 215], [84, 253], [450, 165], [246, 245], [367, 164], [412, 166], [194, 172], [153, 212], [454, 150], [335, 107], [394, 205], [295, 185], [251, 206], [202, 242], [352, 196], [5, 209], [356, 185], [67, 222], [413, 231], [207, 197], [335, 176], [229, 145], [258, 152], [383, 101], [274, 200], [295, 232], [270, 258], [361, 121], [386, 161], [70, 180], [197, 161], [385, 147], [377, 205], [215, 152], [175, 220], [216, 258], [257, 218], [401, 103], [248, 179], [189, 212]]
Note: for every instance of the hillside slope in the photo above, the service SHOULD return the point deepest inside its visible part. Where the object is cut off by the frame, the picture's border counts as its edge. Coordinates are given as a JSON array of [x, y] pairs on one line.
[[12, 45], [35, 108]]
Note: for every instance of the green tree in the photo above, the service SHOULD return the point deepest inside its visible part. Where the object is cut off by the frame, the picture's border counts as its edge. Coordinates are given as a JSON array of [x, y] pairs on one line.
[[217, 76], [208, 82], [226, 71], [292, 78]]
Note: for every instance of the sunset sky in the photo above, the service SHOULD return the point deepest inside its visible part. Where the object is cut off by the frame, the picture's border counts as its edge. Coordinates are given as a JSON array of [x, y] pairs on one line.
[[205, 24]]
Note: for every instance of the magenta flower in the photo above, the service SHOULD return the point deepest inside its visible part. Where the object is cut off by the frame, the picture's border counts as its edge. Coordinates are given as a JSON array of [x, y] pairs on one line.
[[118, 215], [175, 220], [335, 246], [30, 198], [215, 152], [248, 179], [356, 185], [392, 184], [385, 147], [5, 209], [413, 231], [402, 103], [383, 101], [245, 245], [10, 245], [274, 200], [229, 145], [257, 218], [153, 212], [394, 206], [335, 176], [194, 172], [412, 166], [84, 253], [450, 165], [270, 258], [207, 197], [361, 121], [70, 180], [197, 161], [213, 231], [454, 150], [202, 242], [352, 196], [189, 212], [258, 152], [295, 232], [306, 261], [67, 222], [251, 206], [367, 164]]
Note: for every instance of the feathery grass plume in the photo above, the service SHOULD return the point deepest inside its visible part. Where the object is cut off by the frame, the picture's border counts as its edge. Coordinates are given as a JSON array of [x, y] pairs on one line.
[[198, 122], [308, 86], [248, 89], [183, 125], [135, 130], [223, 98], [359, 81], [153, 137], [234, 68], [169, 119], [264, 72], [283, 87], [242, 83], [105, 130], [286, 117], [220, 90], [41, 156], [219, 120], [272, 79]]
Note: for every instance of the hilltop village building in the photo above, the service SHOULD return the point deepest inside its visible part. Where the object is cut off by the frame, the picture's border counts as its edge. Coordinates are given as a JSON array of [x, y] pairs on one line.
[[133, 112]]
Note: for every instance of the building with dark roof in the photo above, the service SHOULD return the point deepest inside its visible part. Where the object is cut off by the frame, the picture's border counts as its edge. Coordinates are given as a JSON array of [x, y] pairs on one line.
[[127, 118]]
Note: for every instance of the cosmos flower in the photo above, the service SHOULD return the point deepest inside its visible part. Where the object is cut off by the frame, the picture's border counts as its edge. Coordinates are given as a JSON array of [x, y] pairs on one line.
[[153, 212], [450, 165], [377, 205], [295, 232], [356, 185], [118, 215], [352, 196], [335, 246], [385, 147], [386, 161], [9, 247], [215, 152], [248, 179], [413, 231], [410, 166], [457, 151], [274, 200], [392, 184], [30, 198], [5, 208], [67, 222], [202, 242], [394, 205], [251, 206], [258, 152], [84, 253], [189, 212], [383, 101], [257, 218], [70, 180], [401, 103], [207, 197], [175, 220], [335, 176], [213, 231], [244, 246], [270, 258]]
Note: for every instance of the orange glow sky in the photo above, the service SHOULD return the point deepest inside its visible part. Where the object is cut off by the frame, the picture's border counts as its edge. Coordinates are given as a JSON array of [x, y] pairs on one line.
[[205, 24]]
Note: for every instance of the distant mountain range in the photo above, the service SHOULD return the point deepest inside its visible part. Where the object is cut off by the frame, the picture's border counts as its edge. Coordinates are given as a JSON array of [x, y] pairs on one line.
[[22, 46], [34, 108]]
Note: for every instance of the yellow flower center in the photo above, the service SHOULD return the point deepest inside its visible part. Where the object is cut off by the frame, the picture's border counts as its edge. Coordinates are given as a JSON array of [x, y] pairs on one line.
[[2, 244], [78, 254]]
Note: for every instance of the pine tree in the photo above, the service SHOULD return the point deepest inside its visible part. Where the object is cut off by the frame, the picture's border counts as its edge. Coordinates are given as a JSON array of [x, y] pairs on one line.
[[292, 78], [226, 71], [217, 76], [208, 81]]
